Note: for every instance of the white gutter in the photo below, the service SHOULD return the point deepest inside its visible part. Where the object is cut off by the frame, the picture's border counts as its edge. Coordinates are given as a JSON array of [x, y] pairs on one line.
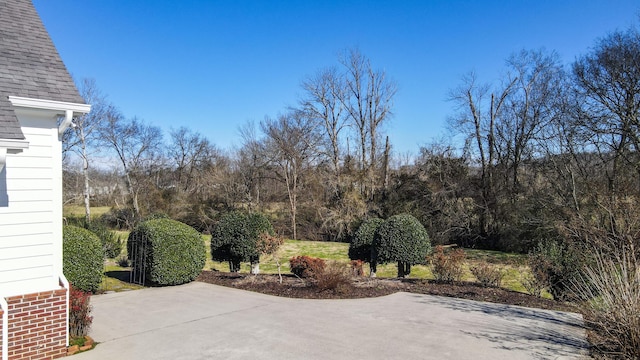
[[65, 284], [48, 104], [5, 328], [10, 147], [14, 146]]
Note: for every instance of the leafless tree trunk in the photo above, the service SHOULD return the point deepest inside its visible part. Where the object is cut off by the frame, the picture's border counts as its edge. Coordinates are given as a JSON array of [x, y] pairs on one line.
[[190, 153], [252, 163], [480, 129], [608, 79], [368, 100], [531, 101], [292, 140], [322, 101], [385, 164], [81, 139], [136, 145]]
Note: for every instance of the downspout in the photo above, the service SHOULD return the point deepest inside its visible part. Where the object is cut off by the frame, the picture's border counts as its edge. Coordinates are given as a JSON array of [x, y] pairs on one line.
[[3, 157], [5, 328], [68, 121], [65, 284], [64, 125]]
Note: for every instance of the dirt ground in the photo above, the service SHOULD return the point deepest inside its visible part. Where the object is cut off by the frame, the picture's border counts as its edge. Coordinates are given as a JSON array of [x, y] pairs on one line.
[[362, 287]]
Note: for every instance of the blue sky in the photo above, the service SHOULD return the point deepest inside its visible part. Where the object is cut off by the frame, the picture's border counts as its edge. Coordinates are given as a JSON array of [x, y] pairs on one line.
[[213, 65]]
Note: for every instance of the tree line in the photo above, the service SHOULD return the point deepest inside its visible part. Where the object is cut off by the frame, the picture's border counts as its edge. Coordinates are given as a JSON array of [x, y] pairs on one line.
[[547, 152]]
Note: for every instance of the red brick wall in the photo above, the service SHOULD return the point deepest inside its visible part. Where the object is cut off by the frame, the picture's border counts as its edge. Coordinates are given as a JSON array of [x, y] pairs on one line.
[[1, 317], [38, 325]]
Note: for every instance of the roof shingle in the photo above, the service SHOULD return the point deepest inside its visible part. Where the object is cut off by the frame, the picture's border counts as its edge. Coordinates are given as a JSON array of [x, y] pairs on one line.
[[30, 65]]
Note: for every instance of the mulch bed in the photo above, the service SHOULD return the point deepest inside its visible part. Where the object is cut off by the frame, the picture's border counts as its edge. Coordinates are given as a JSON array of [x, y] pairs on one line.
[[364, 287]]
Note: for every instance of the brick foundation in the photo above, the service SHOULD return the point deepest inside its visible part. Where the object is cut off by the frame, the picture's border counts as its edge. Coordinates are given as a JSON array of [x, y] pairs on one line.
[[1, 317], [37, 325]]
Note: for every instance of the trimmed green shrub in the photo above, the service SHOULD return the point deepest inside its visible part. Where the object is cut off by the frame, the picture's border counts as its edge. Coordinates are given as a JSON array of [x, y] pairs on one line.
[[235, 238], [111, 242], [82, 258], [401, 238], [155, 216], [360, 246], [170, 252]]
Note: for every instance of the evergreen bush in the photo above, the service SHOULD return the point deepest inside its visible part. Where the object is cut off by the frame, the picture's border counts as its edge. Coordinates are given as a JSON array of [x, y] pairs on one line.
[[170, 252], [401, 238], [360, 246], [82, 258], [235, 238]]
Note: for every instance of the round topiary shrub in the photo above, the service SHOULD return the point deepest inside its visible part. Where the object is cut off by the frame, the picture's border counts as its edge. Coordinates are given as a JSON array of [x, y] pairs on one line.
[[401, 238], [82, 258], [166, 252], [235, 237], [360, 246]]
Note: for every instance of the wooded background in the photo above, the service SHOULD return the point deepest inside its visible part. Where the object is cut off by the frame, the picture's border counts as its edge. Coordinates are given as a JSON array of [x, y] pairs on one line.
[[548, 152]]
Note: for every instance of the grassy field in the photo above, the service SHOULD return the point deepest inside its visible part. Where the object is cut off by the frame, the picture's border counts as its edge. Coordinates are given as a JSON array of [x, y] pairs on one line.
[[78, 211], [513, 265]]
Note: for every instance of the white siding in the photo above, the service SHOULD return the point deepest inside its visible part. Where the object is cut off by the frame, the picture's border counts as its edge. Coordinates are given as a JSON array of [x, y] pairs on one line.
[[30, 224]]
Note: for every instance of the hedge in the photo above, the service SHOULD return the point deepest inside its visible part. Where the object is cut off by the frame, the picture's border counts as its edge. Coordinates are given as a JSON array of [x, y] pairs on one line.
[[360, 246], [82, 258], [235, 236], [171, 253]]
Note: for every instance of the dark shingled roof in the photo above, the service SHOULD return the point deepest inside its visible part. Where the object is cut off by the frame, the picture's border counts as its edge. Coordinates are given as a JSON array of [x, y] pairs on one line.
[[30, 65]]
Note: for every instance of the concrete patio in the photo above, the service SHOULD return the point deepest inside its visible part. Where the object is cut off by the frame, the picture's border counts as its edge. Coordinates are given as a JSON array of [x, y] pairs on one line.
[[203, 321]]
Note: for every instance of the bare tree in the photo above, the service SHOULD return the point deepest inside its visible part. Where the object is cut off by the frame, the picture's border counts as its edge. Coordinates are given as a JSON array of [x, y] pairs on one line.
[[292, 142], [609, 80], [536, 77], [252, 161], [190, 153], [136, 145], [83, 136], [368, 99], [322, 102], [478, 124]]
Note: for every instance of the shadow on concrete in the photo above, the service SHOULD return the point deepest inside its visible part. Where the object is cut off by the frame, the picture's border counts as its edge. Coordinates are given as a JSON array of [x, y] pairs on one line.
[[524, 329]]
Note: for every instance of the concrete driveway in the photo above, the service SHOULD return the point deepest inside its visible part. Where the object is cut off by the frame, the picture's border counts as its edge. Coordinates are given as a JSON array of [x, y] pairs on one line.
[[203, 321]]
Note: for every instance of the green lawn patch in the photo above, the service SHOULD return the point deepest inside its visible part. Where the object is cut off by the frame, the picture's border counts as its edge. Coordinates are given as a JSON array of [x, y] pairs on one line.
[[514, 265], [78, 211]]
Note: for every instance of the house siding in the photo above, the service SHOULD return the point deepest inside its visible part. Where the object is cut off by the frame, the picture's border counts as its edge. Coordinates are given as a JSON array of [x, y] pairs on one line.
[[31, 218]]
